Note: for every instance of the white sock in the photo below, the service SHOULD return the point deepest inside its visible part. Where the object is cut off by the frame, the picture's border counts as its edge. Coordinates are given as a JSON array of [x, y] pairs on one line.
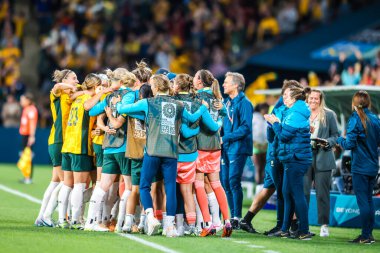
[[87, 194], [49, 190], [109, 202], [122, 207], [97, 199], [179, 220], [63, 200], [142, 220], [129, 220], [53, 202], [214, 208], [199, 213], [168, 221], [77, 201], [115, 209], [149, 213]]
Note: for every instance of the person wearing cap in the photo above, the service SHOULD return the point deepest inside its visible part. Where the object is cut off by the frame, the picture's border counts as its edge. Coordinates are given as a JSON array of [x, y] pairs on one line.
[[28, 127]]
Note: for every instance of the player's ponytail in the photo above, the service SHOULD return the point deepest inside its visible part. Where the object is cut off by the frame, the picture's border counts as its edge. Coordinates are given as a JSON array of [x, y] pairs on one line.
[[60, 75]]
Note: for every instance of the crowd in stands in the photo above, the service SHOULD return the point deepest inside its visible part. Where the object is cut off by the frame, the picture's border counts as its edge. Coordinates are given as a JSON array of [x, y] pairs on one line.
[[183, 36]]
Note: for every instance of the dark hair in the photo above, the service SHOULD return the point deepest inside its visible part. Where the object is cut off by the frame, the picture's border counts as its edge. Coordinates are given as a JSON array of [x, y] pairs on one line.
[[360, 101], [142, 71], [208, 80], [145, 91], [29, 96], [289, 83]]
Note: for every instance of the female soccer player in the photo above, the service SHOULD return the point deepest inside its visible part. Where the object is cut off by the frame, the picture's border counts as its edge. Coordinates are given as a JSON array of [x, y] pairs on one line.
[[187, 149], [66, 81], [115, 163], [209, 150], [77, 154], [162, 118]]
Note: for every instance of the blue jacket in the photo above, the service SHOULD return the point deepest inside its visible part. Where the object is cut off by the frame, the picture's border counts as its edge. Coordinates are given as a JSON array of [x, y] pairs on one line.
[[364, 153], [278, 111], [237, 126], [294, 135]]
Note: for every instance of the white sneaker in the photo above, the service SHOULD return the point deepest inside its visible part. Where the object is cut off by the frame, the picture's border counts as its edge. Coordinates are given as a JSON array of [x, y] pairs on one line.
[[218, 227], [324, 231], [171, 231], [39, 223], [153, 225]]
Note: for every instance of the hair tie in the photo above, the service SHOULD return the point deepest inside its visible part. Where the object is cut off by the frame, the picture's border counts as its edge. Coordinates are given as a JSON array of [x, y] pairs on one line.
[[360, 106]]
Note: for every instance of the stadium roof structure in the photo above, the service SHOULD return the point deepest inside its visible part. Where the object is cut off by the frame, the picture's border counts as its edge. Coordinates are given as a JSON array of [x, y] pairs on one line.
[[338, 99]]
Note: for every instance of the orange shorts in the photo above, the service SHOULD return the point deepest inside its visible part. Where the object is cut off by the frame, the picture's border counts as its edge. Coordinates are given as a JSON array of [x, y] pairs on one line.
[[208, 161], [186, 172]]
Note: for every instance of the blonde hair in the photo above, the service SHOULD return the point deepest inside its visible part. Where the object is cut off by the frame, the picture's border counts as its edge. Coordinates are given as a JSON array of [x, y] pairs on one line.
[[127, 78], [104, 78], [238, 79], [322, 107], [161, 82], [208, 80], [184, 82], [91, 81], [142, 71], [59, 75]]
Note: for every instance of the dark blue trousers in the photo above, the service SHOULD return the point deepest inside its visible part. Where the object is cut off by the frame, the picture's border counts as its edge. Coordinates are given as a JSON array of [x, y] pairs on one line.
[[277, 174], [363, 188], [294, 197], [168, 167], [231, 173]]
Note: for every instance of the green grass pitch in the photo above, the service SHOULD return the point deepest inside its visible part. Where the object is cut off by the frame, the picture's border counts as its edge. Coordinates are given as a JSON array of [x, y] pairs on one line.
[[17, 233]]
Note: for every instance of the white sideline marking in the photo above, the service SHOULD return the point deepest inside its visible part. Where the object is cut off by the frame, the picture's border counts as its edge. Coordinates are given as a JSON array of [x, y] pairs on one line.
[[241, 242], [256, 246], [131, 237], [20, 194], [271, 251], [150, 244]]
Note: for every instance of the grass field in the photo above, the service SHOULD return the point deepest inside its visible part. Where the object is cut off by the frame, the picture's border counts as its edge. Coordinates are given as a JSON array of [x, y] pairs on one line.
[[17, 233]]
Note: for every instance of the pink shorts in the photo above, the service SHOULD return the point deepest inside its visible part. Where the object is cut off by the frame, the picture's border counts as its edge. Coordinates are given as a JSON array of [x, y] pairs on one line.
[[186, 172], [208, 161]]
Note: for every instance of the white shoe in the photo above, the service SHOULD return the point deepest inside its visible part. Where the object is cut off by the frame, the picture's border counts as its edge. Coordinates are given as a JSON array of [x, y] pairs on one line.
[[47, 223], [324, 231], [170, 231], [153, 225], [38, 223], [96, 227]]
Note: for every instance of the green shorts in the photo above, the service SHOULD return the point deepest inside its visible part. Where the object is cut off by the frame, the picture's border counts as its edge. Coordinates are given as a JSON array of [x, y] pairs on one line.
[[55, 154], [98, 154], [136, 165], [159, 177], [77, 163], [116, 164]]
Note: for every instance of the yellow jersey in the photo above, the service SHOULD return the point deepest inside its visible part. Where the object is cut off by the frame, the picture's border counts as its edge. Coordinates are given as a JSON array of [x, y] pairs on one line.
[[98, 139], [78, 136], [60, 109]]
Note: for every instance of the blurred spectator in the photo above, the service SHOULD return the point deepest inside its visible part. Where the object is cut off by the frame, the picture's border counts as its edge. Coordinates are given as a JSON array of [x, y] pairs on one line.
[[11, 112], [287, 18]]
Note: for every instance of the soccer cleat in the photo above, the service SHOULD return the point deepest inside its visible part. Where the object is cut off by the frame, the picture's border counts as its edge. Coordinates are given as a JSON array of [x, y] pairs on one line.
[[324, 231], [135, 229], [361, 240], [170, 231], [47, 223], [372, 239], [271, 232], [235, 224], [208, 231], [112, 225], [96, 227], [153, 225], [247, 226], [26, 181], [63, 225], [127, 228], [76, 225], [227, 230], [39, 223], [192, 230], [218, 228]]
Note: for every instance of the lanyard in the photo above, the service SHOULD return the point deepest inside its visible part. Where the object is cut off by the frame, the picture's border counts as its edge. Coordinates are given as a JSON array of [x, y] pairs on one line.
[[230, 116]]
